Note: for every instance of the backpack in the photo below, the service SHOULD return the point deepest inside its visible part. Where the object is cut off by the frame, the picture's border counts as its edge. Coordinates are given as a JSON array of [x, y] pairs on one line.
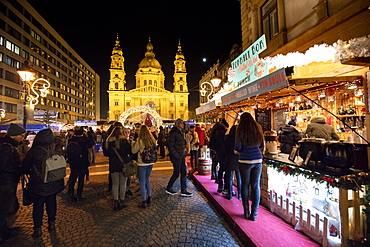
[[149, 155], [74, 152], [53, 166]]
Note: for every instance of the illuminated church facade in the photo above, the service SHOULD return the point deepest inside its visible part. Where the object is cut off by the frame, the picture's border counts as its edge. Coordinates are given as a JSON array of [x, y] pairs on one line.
[[150, 86]]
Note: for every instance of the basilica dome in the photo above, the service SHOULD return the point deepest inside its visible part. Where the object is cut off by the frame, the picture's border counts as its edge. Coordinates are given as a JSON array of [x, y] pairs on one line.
[[149, 60]]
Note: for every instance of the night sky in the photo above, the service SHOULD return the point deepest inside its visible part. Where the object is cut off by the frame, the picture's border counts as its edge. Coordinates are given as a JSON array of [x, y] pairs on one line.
[[206, 28]]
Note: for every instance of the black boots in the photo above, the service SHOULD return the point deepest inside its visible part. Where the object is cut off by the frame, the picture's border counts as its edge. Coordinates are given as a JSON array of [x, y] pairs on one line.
[[119, 205], [143, 204], [116, 205], [51, 227], [254, 215], [72, 196], [149, 200], [37, 232]]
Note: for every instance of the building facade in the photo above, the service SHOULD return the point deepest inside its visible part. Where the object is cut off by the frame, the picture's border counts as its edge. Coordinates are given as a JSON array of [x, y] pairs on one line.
[[150, 86], [26, 36]]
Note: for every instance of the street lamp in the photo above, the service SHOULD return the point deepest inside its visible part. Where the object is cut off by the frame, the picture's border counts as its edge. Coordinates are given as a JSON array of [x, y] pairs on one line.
[[31, 90]]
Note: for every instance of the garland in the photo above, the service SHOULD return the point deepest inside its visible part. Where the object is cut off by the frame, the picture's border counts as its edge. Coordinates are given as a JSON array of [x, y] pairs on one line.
[[347, 182]]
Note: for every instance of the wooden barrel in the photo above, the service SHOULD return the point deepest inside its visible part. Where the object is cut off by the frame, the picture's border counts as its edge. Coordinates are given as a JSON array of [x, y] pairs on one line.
[[204, 166]]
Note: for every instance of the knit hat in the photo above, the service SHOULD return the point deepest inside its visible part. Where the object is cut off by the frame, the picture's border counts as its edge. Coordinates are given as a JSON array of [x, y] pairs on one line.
[[178, 122], [15, 130], [224, 122]]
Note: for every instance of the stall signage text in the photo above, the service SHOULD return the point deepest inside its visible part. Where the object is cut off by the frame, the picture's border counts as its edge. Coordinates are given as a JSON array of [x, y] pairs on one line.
[[86, 123], [247, 67], [272, 81], [45, 114]]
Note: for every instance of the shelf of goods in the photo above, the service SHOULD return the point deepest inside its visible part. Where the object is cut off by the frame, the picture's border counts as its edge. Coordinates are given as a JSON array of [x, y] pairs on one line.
[[347, 105]]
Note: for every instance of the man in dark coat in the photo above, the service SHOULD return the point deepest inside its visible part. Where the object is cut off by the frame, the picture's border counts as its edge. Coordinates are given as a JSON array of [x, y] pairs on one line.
[[320, 129], [9, 176], [176, 146], [288, 137], [218, 144], [42, 193], [78, 167]]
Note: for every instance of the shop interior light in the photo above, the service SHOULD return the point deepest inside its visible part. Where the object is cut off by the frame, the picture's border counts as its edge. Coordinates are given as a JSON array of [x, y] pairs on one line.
[[291, 104], [322, 94], [331, 98], [280, 101], [298, 98], [359, 92], [351, 85], [277, 105]]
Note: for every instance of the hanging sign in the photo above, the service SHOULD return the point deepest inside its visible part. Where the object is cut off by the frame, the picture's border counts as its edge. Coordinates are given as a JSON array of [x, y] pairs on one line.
[[247, 67], [272, 81], [206, 107], [86, 123]]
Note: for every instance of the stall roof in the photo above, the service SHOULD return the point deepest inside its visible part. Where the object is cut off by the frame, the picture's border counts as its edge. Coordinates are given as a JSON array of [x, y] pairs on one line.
[[206, 107]]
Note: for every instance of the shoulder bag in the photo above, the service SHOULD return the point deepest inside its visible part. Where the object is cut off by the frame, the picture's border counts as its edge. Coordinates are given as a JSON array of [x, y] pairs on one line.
[[128, 169]]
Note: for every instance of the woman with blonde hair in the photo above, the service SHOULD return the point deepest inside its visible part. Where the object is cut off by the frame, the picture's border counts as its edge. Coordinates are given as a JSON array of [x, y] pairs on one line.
[[145, 140], [117, 145], [249, 143]]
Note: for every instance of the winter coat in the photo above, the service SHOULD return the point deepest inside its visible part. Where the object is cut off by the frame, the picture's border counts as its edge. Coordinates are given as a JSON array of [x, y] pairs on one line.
[[9, 161], [218, 137], [192, 141], [231, 159], [84, 142], [115, 165], [138, 147], [288, 138], [33, 160], [176, 143], [161, 137], [320, 129], [201, 134]]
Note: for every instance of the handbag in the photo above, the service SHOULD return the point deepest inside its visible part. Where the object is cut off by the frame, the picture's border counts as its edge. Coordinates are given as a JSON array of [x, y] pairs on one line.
[[129, 169], [26, 198]]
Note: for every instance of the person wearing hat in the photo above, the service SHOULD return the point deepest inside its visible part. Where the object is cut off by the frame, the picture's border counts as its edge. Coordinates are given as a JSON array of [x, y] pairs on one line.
[[78, 167], [176, 146], [9, 176]]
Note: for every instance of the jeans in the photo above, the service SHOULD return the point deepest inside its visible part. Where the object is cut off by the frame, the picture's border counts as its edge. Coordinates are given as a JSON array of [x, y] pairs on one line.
[[179, 166], [91, 155], [229, 175], [194, 159], [251, 174], [145, 186], [38, 209], [119, 183], [79, 173]]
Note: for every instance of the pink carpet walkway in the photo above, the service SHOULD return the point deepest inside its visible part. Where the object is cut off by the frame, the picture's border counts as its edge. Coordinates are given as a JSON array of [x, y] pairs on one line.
[[267, 230]]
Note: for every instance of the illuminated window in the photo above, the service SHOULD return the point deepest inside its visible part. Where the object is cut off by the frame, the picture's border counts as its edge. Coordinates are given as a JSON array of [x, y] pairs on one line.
[[116, 103], [269, 17]]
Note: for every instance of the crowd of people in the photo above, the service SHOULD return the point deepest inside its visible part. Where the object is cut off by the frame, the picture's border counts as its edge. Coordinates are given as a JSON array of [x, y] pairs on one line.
[[235, 152], [24, 153]]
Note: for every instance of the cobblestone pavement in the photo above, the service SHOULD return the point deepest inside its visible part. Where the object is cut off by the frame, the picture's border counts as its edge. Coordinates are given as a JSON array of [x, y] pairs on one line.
[[169, 221]]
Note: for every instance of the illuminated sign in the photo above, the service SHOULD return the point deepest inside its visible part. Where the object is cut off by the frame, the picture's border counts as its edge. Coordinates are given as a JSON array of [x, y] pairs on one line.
[[45, 114], [247, 67], [272, 81], [86, 123]]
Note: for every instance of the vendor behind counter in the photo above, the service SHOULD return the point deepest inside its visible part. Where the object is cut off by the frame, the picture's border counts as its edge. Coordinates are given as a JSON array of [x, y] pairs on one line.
[[318, 128]]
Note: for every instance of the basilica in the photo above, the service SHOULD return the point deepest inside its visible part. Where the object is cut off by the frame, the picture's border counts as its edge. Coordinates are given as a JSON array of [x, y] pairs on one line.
[[150, 88]]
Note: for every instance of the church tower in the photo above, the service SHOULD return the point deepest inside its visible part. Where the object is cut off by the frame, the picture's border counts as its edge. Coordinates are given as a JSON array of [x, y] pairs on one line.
[[180, 84], [117, 71]]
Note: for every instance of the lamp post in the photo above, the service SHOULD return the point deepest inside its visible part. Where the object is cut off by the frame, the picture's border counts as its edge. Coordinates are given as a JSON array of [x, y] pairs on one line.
[[32, 89]]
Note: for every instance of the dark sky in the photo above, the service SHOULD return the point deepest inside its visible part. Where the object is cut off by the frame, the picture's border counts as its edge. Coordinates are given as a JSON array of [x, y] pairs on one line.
[[207, 29]]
